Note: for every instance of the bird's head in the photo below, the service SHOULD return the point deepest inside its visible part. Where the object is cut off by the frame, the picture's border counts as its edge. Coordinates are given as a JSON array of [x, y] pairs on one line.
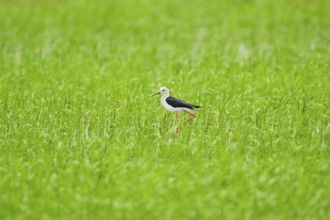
[[162, 91]]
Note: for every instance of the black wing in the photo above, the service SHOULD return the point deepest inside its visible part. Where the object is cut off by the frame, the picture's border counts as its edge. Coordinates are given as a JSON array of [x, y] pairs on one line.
[[178, 103]]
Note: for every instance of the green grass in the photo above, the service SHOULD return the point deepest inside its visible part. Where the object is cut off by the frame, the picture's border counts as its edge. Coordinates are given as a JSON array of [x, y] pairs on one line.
[[80, 138]]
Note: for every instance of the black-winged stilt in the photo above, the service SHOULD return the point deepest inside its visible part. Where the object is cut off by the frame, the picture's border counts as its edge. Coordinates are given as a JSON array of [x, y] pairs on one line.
[[176, 105]]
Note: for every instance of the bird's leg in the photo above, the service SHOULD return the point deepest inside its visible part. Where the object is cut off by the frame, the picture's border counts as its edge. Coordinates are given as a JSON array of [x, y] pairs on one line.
[[193, 116], [177, 119]]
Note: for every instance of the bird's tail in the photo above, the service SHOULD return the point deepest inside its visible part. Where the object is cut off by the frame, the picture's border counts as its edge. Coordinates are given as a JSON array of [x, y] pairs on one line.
[[197, 106]]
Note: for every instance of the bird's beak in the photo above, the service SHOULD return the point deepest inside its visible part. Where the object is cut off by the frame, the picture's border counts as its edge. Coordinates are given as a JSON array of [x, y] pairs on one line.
[[155, 94]]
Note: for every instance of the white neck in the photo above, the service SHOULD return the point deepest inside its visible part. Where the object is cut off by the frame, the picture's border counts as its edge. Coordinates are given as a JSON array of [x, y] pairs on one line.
[[164, 96]]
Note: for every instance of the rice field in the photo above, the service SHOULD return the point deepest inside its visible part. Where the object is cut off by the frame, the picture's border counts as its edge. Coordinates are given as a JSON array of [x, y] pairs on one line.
[[81, 138]]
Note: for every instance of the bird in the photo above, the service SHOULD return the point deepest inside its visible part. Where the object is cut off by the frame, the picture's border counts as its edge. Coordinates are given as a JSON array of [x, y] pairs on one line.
[[176, 105]]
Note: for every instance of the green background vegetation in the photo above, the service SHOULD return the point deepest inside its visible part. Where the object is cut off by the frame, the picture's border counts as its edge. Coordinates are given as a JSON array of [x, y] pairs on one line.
[[80, 138]]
